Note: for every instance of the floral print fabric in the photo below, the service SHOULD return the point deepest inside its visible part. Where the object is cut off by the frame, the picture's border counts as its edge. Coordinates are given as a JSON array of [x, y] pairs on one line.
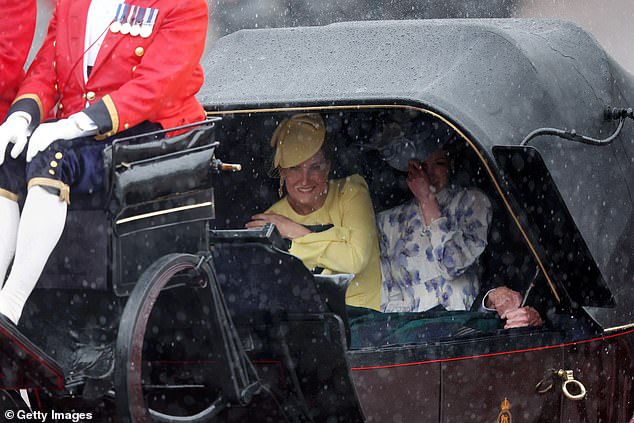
[[424, 266]]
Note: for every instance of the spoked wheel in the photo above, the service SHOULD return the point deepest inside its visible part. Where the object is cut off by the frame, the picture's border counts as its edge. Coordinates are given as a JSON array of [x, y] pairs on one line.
[[167, 346]]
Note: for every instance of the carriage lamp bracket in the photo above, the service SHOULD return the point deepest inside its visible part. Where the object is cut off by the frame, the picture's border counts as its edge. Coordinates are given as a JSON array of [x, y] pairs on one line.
[[218, 166], [609, 114]]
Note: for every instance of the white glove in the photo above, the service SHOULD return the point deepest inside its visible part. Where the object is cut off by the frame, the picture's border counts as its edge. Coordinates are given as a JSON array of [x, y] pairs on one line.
[[14, 130], [63, 129]]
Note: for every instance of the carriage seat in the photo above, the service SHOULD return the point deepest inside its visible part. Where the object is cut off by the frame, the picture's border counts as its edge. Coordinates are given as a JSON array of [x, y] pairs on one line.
[[157, 199]]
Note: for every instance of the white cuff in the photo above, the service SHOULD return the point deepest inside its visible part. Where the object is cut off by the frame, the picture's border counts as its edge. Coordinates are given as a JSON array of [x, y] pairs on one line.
[[21, 114], [485, 298], [84, 123]]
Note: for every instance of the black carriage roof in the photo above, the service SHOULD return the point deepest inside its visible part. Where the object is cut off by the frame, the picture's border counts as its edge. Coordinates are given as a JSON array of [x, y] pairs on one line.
[[495, 79], [485, 74]]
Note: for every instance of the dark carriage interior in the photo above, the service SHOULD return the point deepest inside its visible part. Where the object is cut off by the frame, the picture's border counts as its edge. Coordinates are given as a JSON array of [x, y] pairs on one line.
[[244, 139]]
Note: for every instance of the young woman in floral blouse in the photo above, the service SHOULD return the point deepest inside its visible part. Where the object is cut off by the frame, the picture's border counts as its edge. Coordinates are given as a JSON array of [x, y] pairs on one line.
[[430, 247]]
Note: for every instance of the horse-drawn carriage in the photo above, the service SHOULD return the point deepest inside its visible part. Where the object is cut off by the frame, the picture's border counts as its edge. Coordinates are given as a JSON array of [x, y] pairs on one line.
[[159, 306]]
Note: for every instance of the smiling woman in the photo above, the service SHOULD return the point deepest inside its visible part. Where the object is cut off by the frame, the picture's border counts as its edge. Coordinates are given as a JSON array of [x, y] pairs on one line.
[[330, 223]]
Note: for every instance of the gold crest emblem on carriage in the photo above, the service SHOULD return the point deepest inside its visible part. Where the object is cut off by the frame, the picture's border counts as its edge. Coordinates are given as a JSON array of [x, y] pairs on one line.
[[505, 412]]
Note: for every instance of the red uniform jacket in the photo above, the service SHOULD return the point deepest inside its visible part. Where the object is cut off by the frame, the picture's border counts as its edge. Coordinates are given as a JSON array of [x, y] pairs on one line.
[[17, 26], [133, 79]]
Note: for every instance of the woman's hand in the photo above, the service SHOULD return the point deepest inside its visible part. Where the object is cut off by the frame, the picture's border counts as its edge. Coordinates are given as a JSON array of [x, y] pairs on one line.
[[507, 304], [419, 183], [287, 228]]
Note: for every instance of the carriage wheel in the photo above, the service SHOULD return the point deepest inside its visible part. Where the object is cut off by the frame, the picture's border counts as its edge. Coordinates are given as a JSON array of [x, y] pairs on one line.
[[10, 399], [166, 355]]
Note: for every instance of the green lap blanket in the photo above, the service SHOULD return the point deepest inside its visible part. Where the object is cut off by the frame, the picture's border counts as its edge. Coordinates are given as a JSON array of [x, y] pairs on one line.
[[370, 328]]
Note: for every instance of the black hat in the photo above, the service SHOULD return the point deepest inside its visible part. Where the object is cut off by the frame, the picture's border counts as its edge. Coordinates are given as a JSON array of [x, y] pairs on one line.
[[398, 146]]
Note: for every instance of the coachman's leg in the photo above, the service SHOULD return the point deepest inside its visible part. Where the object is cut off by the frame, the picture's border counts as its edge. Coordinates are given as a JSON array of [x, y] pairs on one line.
[[41, 226]]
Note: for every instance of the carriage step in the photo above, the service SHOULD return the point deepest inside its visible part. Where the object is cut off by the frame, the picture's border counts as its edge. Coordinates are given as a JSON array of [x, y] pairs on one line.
[[23, 364]]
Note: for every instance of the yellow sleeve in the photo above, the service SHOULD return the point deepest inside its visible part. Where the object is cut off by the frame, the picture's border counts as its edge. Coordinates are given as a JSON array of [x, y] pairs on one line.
[[281, 207], [346, 247]]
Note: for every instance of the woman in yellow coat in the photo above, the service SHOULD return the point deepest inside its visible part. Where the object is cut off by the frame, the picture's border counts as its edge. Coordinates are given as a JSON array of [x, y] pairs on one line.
[[330, 223]]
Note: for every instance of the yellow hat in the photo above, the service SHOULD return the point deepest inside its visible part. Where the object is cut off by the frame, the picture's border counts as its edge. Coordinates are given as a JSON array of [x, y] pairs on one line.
[[297, 139]]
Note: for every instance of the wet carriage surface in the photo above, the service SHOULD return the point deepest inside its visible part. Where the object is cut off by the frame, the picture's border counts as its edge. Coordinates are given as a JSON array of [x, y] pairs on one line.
[[192, 317]]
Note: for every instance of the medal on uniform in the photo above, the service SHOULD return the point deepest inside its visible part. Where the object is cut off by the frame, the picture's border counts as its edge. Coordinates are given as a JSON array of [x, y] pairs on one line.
[[125, 26], [148, 23], [135, 31], [115, 26]]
